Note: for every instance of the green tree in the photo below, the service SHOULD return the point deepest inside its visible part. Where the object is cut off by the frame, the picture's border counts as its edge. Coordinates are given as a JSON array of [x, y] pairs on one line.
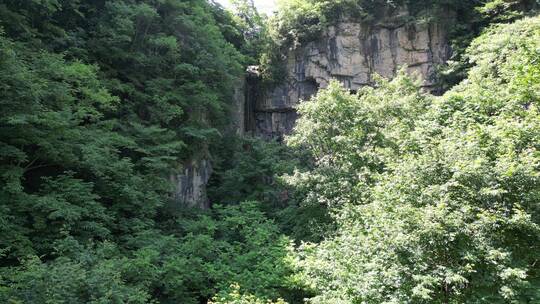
[[447, 209], [101, 101], [235, 297], [195, 258]]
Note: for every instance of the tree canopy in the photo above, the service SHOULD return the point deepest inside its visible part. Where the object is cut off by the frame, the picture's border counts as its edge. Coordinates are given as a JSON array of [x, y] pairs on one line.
[[386, 195], [436, 198]]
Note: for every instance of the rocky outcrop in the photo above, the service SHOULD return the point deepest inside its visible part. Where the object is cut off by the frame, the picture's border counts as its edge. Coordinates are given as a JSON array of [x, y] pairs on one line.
[[190, 184], [352, 52], [238, 123]]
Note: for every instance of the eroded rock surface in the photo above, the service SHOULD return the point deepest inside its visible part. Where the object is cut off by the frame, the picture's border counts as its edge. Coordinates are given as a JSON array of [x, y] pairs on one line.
[[190, 184], [352, 52]]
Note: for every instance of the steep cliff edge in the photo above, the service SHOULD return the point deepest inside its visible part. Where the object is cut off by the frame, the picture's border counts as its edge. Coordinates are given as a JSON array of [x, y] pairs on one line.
[[352, 52], [190, 184]]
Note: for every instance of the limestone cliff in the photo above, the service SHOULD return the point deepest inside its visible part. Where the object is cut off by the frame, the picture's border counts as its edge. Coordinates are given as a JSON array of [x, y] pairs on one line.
[[352, 52], [190, 184]]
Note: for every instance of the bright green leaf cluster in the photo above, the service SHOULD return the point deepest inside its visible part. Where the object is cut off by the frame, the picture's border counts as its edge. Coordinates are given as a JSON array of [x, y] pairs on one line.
[[436, 198]]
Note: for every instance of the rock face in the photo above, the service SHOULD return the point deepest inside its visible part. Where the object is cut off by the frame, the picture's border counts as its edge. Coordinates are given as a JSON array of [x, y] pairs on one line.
[[190, 184], [351, 52], [238, 113]]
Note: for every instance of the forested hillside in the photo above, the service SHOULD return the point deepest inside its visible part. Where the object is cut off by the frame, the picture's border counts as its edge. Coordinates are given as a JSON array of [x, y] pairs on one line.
[[385, 194]]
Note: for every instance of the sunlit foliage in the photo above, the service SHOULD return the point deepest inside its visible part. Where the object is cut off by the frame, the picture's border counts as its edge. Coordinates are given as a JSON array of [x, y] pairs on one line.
[[438, 197]]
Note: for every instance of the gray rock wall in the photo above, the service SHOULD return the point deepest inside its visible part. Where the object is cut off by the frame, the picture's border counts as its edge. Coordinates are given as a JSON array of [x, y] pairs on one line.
[[352, 52], [190, 184], [238, 113]]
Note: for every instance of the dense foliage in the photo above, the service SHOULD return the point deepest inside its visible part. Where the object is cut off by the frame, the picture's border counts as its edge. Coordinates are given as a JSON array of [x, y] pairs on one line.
[[436, 198], [101, 101], [194, 258], [98, 102], [390, 195]]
